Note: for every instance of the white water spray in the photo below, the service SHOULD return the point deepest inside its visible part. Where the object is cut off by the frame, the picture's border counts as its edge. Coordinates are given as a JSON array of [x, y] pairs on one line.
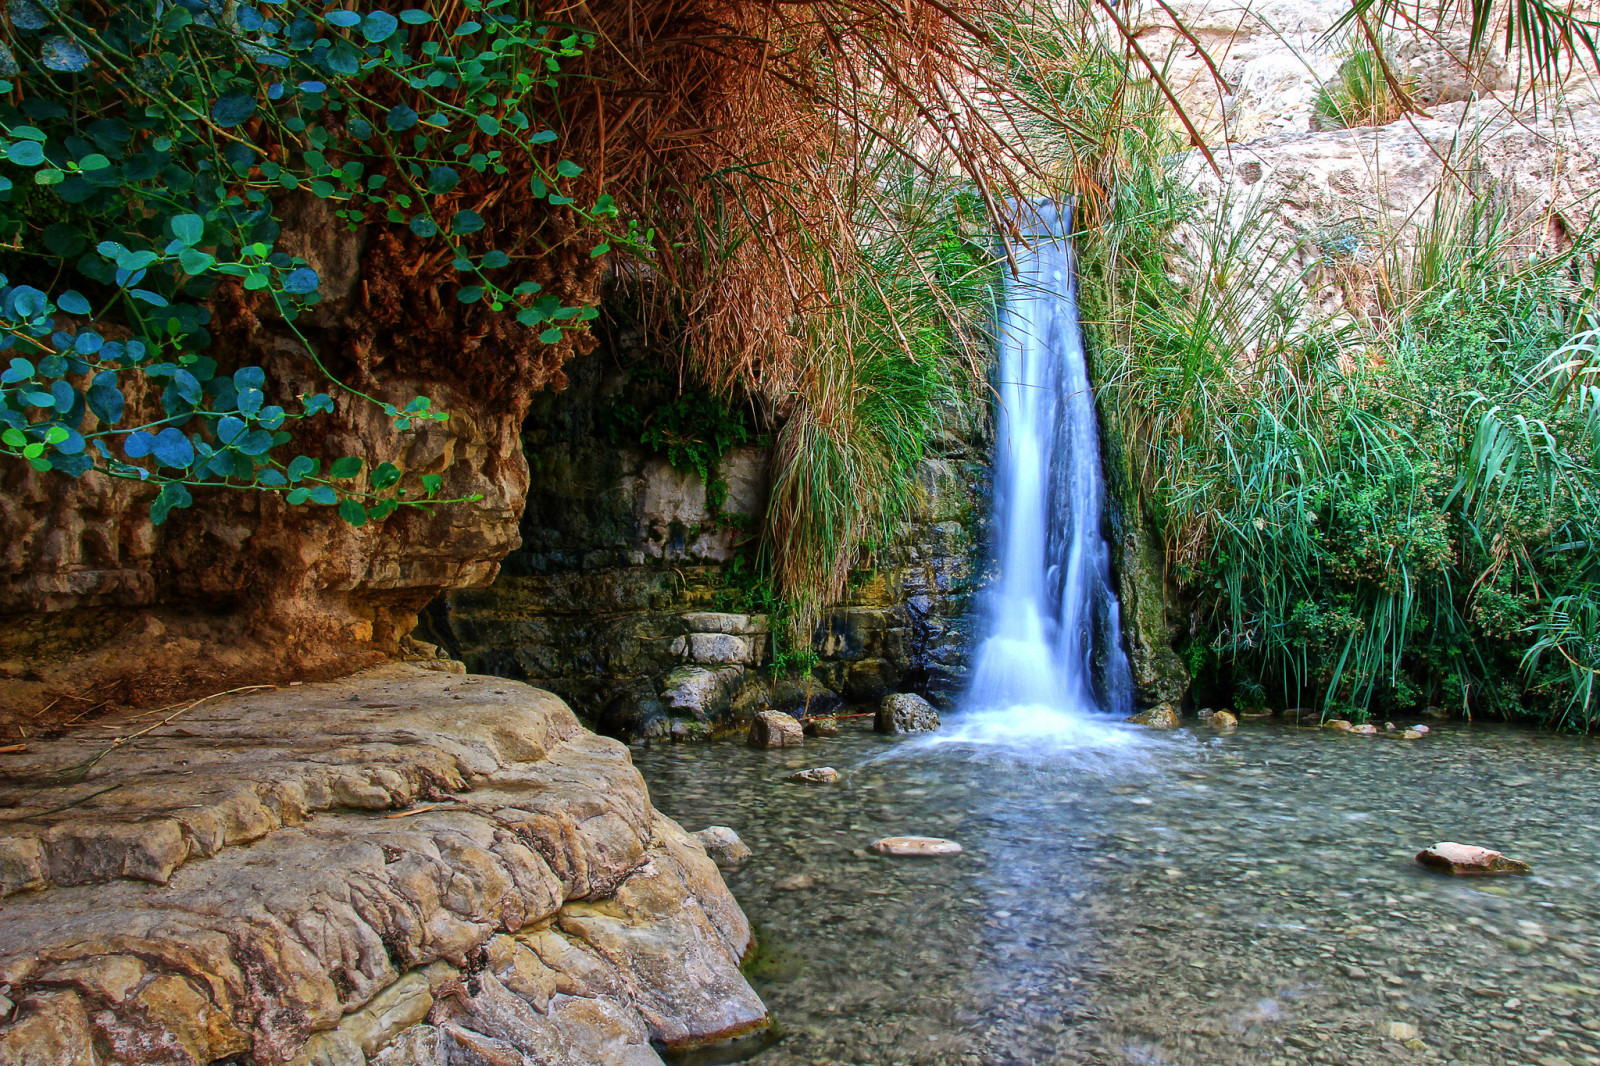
[[1052, 660]]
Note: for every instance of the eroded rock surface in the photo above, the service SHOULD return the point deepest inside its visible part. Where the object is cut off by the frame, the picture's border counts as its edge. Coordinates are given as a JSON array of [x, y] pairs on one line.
[[905, 712], [401, 867], [1468, 859]]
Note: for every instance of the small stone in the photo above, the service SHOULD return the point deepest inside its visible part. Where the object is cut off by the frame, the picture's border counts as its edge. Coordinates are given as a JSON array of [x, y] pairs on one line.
[[796, 883], [1411, 734], [1416, 1044], [1401, 1031], [817, 775], [1388, 727], [1223, 720], [1435, 712], [905, 712], [1366, 729], [1419, 729], [724, 847], [1339, 725], [1468, 859], [1256, 712], [1204, 714], [774, 729], [822, 725], [915, 846], [1162, 716]]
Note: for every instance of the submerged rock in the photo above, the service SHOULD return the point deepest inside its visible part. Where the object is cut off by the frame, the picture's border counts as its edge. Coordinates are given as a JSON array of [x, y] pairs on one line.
[[724, 846], [1366, 729], [818, 775], [1339, 725], [1469, 859], [930, 847], [774, 729], [796, 883], [1222, 720], [905, 712], [1162, 716]]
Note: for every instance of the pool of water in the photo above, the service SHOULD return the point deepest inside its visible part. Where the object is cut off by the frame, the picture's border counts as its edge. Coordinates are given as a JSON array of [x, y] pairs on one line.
[[1129, 897]]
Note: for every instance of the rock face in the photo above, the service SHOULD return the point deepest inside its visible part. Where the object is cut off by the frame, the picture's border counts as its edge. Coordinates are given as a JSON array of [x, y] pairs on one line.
[[402, 867], [618, 598], [905, 712], [243, 588], [774, 729], [1470, 860]]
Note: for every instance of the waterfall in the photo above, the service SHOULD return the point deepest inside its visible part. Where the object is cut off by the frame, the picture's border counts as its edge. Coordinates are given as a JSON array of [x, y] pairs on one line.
[[1052, 625]]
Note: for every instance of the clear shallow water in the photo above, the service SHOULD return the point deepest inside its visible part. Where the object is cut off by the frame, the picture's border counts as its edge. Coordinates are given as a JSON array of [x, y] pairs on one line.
[[1180, 899]]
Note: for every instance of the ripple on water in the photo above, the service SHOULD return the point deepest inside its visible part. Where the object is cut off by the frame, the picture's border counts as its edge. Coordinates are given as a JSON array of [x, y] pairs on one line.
[[1185, 899]]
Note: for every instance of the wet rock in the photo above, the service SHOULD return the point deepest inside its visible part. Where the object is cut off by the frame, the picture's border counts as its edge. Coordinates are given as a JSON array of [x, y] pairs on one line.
[[822, 725], [700, 692], [1468, 859], [929, 847], [1162, 716], [1424, 730], [819, 775], [1365, 729], [724, 846], [1411, 734], [1222, 720], [1339, 725], [774, 729], [1255, 712], [905, 712], [802, 696], [1435, 712]]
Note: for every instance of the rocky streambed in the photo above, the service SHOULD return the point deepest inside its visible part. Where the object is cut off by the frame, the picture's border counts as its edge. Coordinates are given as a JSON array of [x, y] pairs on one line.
[[403, 868], [1188, 898]]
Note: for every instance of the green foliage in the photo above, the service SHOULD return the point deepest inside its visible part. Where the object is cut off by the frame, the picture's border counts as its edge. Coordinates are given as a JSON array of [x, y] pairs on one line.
[[693, 430], [146, 149], [1375, 515]]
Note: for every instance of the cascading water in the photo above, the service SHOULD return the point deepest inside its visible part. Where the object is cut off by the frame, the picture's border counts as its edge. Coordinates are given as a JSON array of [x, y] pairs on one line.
[[1052, 656]]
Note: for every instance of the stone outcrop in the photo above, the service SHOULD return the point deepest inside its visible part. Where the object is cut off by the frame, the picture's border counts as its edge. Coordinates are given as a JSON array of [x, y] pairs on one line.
[[621, 597], [405, 866]]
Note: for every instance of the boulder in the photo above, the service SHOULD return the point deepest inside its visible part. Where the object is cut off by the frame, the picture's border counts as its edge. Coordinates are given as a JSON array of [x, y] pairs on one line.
[[922, 847], [1222, 720], [1162, 716], [822, 725], [700, 693], [905, 712], [774, 729], [724, 846], [1468, 859], [819, 775]]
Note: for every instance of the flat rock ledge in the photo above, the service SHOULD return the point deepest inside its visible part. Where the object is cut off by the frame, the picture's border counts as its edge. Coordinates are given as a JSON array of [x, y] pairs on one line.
[[402, 868]]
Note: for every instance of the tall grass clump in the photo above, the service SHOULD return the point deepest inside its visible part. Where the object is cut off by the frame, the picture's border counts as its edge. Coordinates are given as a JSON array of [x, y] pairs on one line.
[[1360, 94]]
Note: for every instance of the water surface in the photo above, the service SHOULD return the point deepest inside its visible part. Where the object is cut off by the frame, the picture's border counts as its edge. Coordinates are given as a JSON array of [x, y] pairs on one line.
[[1127, 897]]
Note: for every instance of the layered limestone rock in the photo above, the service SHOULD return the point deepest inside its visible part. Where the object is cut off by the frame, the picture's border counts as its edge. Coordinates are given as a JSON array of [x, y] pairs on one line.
[[401, 867], [97, 604]]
